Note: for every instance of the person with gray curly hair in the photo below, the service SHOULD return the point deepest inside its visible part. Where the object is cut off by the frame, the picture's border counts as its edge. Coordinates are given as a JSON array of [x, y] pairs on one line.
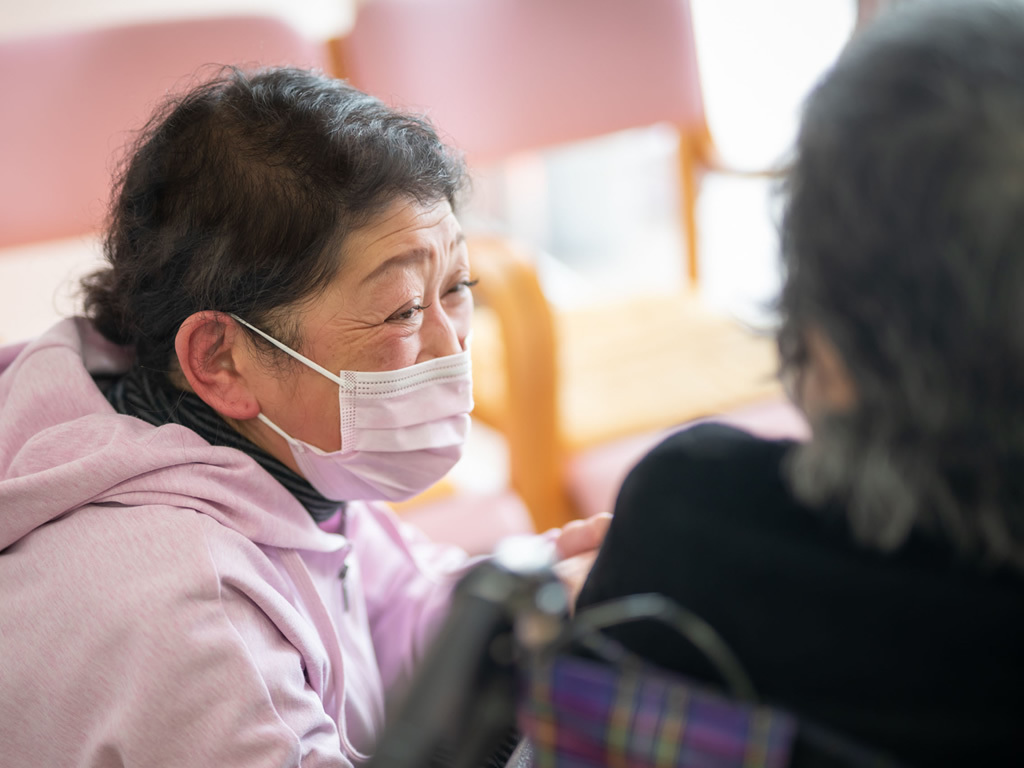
[[870, 579]]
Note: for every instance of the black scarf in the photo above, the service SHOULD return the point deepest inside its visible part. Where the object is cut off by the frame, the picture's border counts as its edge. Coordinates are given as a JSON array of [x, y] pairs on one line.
[[147, 394]]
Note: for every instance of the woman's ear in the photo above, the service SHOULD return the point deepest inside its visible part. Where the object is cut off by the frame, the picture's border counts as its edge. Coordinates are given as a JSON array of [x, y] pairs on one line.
[[214, 357]]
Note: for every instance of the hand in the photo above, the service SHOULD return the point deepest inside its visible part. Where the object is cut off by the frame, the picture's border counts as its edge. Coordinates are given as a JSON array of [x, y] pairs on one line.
[[573, 572], [577, 543], [580, 536]]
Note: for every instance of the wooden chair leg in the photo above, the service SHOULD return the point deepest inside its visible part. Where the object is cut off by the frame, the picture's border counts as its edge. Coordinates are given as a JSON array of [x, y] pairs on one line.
[[530, 421], [690, 166]]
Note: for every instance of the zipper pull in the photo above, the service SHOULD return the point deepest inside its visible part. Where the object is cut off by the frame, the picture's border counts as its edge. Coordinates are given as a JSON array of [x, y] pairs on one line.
[[344, 584]]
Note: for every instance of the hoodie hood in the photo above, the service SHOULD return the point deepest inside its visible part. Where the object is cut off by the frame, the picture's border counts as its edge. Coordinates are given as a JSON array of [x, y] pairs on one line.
[[62, 446]]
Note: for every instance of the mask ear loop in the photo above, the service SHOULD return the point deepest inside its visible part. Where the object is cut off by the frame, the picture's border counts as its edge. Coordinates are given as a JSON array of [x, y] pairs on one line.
[[288, 350], [585, 629]]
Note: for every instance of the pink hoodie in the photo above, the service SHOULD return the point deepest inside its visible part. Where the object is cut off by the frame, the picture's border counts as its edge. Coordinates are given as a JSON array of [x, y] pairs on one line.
[[165, 602]]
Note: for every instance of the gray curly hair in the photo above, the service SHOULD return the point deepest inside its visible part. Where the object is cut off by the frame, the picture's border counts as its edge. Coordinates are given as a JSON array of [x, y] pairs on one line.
[[903, 242]]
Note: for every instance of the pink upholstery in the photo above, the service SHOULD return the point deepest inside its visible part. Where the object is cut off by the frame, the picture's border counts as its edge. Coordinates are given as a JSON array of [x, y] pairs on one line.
[[500, 76], [594, 477], [70, 102]]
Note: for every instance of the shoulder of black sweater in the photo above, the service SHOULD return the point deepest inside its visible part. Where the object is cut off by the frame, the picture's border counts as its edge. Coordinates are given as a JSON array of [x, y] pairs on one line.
[[713, 499], [709, 453], [708, 518], [714, 475]]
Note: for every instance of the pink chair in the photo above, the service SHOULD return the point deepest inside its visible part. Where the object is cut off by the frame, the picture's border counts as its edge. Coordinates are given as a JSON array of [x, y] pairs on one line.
[[502, 76], [72, 100]]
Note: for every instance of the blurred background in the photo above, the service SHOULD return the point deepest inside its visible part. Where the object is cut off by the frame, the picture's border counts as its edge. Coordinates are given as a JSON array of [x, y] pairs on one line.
[[601, 217], [757, 61]]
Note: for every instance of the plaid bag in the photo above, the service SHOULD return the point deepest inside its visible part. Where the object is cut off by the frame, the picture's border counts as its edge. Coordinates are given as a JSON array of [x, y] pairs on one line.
[[579, 713], [507, 622]]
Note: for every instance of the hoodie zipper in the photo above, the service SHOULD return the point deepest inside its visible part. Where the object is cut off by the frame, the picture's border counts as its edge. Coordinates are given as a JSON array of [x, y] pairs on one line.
[[343, 576], [296, 567]]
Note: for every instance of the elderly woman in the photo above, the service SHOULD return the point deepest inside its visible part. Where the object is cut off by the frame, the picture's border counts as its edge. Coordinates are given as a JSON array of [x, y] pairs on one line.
[[872, 579], [194, 568]]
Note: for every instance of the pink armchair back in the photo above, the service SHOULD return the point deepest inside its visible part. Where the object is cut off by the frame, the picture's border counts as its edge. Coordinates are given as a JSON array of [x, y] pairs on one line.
[[500, 76], [68, 100]]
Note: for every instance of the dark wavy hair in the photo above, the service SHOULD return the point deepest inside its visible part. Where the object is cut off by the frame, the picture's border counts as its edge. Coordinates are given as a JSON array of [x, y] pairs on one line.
[[903, 242], [239, 194]]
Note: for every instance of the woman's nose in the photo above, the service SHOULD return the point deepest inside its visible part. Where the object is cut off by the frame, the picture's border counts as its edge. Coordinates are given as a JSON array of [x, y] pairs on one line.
[[441, 334]]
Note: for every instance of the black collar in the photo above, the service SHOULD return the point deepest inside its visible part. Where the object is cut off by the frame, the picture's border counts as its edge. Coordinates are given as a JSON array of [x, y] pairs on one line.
[[147, 394]]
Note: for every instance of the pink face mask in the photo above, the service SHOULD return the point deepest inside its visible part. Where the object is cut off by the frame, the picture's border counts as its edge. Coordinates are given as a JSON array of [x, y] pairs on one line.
[[401, 431]]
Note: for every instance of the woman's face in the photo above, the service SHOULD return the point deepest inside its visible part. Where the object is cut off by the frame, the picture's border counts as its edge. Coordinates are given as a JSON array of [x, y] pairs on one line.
[[401, 297]]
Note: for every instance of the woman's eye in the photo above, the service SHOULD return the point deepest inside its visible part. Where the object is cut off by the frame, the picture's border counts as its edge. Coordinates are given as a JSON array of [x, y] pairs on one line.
[[463, 285], [407, 314]]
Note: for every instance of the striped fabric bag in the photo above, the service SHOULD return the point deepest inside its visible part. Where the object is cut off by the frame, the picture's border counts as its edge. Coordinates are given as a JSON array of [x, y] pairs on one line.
[[579, 713]]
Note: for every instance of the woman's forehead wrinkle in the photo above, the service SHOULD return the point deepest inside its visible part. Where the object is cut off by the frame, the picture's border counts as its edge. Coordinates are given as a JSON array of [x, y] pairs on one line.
[[424, 219], [397, 235]]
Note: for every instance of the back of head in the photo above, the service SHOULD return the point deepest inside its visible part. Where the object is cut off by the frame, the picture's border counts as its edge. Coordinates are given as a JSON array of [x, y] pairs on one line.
[[238, 197], [903, 243]]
